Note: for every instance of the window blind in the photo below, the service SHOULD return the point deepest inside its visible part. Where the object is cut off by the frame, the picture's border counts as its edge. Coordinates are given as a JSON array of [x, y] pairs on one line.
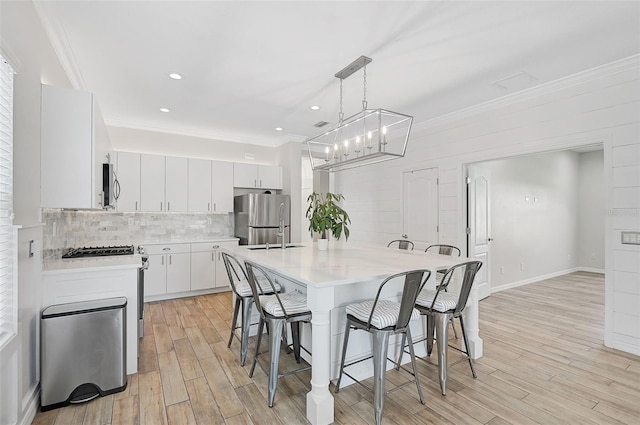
[[8, 290]]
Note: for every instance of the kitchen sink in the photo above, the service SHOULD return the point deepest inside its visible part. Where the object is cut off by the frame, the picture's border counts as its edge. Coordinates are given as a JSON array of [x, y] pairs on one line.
[[264, 247]]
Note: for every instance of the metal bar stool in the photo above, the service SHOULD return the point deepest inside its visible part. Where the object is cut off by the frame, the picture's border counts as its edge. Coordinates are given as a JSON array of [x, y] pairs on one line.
[[384, 318], [402, 244], [442, 249], [276, 310], [244, 301], [440, 306]]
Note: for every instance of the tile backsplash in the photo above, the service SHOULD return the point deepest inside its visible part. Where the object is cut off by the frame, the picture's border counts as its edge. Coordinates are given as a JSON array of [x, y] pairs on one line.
[[71, 228]]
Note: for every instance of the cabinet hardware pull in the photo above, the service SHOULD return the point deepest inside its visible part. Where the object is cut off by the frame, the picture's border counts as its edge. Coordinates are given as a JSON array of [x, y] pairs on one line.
[[168, 206], [255, 183], [215, 246], [260, 182], [163, 260], [160, 205], [212, 259], [209, 206], [169, 259], [166, 249], [214, 206], [136, 205]]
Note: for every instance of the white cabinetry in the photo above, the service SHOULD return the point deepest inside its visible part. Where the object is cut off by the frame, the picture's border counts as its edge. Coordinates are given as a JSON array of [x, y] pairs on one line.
[[128, 172], [199, 184], [257, 176], [207, 266], [221, 186], [73, 145], [152, 183], [176, 183], [169, 269]]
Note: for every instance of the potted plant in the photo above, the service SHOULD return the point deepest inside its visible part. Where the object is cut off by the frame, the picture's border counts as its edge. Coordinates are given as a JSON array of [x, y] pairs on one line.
[[325, 215]]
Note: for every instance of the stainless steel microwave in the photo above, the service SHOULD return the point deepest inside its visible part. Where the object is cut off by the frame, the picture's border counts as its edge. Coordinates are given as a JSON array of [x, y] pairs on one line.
[[110, 186]]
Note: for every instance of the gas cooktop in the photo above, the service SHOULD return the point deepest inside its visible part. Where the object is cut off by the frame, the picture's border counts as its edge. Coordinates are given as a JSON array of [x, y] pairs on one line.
[[98, 251]]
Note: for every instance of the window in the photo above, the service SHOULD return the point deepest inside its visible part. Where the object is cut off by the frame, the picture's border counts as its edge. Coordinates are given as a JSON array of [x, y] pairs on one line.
[[8, 290]]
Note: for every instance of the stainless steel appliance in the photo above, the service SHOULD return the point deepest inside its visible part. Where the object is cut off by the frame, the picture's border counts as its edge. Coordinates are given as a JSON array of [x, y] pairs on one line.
[[110, 187], [260, 218], [103, 251]]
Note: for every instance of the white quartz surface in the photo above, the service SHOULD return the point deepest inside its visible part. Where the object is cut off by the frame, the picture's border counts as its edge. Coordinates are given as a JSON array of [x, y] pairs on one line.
[[93, 263], [343, 263]]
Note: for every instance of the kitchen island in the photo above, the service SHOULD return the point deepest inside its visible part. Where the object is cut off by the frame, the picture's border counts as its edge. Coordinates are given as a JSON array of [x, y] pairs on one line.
[[331, 279]]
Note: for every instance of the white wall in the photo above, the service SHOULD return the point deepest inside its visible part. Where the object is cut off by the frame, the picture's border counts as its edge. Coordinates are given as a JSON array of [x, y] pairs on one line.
[[591, 211], [596, 106], [534, 210], [23, 42]]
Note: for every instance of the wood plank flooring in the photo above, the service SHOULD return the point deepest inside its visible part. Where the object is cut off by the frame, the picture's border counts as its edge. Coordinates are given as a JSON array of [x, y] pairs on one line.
[[544, 363]]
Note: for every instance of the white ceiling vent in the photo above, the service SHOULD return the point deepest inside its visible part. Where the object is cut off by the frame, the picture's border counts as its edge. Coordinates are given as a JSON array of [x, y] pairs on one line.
[[515, 82]]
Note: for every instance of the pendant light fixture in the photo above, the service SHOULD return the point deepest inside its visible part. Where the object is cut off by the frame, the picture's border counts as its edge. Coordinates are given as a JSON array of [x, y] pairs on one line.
[[368, 137]]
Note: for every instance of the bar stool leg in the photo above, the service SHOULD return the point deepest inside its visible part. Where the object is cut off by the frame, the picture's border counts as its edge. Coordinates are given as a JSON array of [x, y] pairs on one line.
[[442, 335], [295, 336], [466, 346], [276, 326], [255, 357], [235, 319], [380, 346], [430, 330], [413, 362], [247, 305], [402, 345], [344, 353]]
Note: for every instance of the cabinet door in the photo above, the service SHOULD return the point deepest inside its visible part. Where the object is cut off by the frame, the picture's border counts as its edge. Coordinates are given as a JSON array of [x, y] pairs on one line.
[[200, 185], [178, 272], [128, 172], [222, 279], [176, 183], [66, 149], [155, 277], [245, 175], [222, 186], [269, 177], [152, 183], [203, 270]]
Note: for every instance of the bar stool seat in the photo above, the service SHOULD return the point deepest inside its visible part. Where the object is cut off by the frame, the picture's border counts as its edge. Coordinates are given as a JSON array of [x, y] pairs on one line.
[[293, 303], [244, 290], [444, 302], [385, 315]]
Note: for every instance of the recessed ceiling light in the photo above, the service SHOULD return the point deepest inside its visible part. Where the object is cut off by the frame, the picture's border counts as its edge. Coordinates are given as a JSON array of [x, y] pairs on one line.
[[165, 110], [278, 128], [315, 108], [175, 76]]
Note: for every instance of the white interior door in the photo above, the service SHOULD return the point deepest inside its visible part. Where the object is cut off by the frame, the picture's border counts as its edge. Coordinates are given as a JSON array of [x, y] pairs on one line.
[[479, 210], [420, 207]]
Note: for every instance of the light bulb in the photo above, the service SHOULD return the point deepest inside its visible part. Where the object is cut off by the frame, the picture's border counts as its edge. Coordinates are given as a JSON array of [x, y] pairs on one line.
[[384, 130]]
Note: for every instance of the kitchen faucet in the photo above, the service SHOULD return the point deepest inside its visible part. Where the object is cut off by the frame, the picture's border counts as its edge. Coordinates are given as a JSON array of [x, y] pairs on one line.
[[281, 227]]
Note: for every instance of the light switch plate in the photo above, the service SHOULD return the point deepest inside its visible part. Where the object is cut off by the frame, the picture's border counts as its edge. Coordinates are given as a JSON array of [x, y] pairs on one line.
[[630, 238]]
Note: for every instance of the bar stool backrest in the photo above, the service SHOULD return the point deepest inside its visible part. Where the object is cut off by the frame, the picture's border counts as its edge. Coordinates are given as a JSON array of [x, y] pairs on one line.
[[235, 271], [414, 281], [469, 271], [402, 244], [451, 250], [256, 273]]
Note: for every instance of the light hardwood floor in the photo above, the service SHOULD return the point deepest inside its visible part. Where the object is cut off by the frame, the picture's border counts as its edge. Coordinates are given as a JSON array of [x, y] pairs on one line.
[[544, 363]]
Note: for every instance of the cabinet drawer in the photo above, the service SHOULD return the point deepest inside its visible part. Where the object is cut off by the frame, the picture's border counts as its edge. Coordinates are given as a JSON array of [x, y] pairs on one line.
[[210, 246], [173, 248]]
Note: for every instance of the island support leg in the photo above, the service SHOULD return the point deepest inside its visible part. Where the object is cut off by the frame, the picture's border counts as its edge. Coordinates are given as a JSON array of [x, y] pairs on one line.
[[320, 404], [472, 325]]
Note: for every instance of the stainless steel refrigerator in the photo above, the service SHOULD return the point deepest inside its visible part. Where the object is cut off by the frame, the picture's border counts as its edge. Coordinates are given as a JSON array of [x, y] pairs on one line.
[[258, 217]]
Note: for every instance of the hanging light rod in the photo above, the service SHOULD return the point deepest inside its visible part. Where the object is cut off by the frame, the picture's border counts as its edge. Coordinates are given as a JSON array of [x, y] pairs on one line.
[[354, 66]]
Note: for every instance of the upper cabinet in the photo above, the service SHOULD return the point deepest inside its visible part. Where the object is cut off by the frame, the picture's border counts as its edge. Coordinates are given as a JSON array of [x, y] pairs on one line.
[[152, 183], [176, 183], [199, 184], [74, 145], [257, 176], [221, 186], [128, 172]]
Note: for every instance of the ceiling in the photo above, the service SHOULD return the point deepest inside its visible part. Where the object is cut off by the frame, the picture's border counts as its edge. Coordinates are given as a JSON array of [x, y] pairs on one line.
[[250, 67]]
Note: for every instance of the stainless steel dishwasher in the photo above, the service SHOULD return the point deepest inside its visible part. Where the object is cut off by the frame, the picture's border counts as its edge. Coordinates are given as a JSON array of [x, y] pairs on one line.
[[83, 349]]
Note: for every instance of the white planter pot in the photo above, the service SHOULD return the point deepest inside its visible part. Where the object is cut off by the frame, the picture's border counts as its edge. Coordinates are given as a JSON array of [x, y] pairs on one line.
[[323, 244]]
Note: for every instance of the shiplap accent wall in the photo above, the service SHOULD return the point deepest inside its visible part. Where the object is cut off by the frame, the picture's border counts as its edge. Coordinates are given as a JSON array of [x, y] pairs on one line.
[[596, 106]]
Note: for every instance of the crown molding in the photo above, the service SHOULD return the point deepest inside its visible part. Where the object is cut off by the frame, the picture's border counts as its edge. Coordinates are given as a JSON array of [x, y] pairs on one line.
[[622, 65], [60, 42], [223, 137], [10, 57]]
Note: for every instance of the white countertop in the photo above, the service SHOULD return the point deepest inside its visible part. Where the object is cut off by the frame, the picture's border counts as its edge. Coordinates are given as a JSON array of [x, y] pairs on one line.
[[88, 264], [343, 263]]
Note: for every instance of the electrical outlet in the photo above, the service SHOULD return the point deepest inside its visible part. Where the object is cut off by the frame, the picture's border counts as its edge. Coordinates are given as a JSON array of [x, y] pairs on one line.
[[631, 238]]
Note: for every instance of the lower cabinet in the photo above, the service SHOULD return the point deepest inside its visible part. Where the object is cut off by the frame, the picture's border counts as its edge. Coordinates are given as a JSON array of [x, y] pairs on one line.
[[184, 267], [207, 266], [169, 269]]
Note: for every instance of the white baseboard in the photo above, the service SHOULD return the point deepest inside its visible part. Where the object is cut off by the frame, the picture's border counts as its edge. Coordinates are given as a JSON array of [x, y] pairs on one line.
[[627, 348], [534, 279], [590, 270], [31, 407]]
